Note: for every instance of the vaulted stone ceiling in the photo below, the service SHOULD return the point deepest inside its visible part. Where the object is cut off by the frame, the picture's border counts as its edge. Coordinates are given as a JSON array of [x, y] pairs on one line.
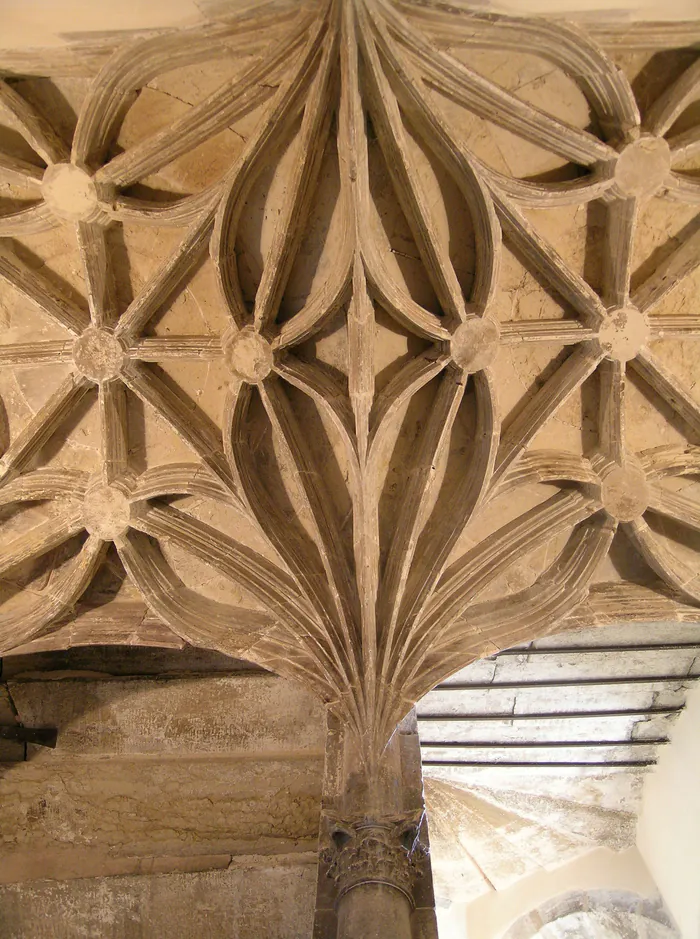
[[353, 339]]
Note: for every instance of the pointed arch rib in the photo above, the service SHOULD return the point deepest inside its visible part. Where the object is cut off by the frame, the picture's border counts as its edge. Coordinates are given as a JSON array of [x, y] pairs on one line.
[[30, 221], [544, 404], [228, 104], [202, 121], [134, 65], [191, 426], [188, 479], [318, 503], [567, 47], [670, 460], [295, 548], [422, 478], [40, 539], [670, 568], [673, 101], [554, 594], [683, 188], [432, 126], [523, 616], [97, 268], [492, 102], [44, 424], [287, 235], [529, 195], [43, 484], [324, 303], [320, 384], [411, 378], [268, 584], [19, 172], [35, 129], [544, 466], [275, 122], [685, 146], [187, 610], [32, 285], [674, 505], [195, 618], [475, 570], [388, 123], [442, 532], [56, 600], [180, 213]]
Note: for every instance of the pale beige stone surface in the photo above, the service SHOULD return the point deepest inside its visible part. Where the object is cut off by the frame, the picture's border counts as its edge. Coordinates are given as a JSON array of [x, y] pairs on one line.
[[357, 440], [159, 771], [356, 341], [250, 896]]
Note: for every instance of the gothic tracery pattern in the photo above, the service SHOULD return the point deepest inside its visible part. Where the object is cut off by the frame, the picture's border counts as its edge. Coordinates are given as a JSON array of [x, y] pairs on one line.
[[373, 480]]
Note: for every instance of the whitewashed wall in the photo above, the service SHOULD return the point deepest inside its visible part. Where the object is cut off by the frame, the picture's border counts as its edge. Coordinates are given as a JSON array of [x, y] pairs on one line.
[[669, 823]]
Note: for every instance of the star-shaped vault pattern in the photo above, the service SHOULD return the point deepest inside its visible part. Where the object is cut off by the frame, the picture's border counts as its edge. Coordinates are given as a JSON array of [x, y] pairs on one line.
[[431, 428]]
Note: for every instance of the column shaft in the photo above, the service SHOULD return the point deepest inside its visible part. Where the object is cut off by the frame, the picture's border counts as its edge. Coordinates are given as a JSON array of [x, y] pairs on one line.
[[374, 911]]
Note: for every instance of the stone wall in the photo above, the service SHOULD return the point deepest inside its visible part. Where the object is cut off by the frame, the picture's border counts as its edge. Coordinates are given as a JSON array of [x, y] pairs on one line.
[[253, 898], [183, 805]]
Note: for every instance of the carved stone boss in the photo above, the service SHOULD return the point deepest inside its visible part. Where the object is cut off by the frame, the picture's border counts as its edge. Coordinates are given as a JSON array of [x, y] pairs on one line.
[[368, 598]]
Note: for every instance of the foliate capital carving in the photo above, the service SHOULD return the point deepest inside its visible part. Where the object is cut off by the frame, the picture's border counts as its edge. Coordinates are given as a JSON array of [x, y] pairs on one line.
[[375, 851]]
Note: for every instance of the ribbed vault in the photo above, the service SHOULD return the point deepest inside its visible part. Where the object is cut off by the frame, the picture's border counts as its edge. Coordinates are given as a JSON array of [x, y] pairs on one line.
[[354, 339]]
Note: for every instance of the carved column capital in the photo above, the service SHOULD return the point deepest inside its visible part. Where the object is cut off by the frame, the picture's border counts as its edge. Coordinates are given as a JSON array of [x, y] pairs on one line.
[[384, 850]]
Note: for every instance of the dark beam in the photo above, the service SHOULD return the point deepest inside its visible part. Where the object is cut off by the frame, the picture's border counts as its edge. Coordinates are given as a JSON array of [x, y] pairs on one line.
[[43, 736], [567, 683], [614, 764], [550, 715], [578, 650], [540, 745]]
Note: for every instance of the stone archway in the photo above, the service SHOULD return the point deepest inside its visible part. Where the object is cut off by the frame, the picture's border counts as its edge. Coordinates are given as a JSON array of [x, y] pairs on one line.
[[595, 914]]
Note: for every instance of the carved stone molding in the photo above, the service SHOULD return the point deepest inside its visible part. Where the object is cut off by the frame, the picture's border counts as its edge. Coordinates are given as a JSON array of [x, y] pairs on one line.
[[374, 871], [384, 397], [375, 851]]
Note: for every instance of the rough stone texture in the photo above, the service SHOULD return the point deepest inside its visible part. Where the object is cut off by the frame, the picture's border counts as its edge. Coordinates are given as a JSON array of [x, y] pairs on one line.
[[152, 773], [254, 897], [356, 340], [362, 393]]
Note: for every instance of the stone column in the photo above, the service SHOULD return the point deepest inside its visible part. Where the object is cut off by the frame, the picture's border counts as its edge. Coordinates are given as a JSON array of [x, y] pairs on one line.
[[374, 911], [374, 869]]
